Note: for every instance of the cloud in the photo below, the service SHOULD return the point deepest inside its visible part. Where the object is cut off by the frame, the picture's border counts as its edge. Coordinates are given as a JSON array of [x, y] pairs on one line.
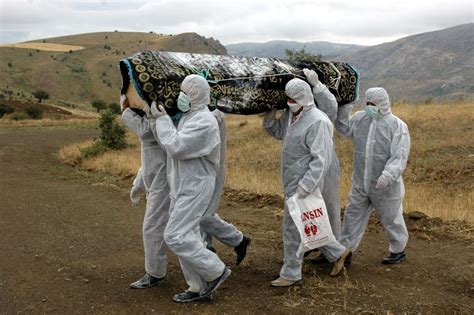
[[359, 22]]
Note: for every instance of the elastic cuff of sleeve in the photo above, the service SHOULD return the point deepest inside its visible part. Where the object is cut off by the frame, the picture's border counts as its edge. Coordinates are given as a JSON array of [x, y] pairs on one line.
[[124, 112], [304, 188], [268, 123], [388, 175], [164, 117], [318, 88]]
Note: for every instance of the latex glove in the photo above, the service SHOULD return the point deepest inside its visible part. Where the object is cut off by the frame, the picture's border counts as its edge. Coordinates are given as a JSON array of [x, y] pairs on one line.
[[311, 76], [157, 112], [382, 182], [270, 114], [301, 193], [147, 111], [135, 194], [124, 104]]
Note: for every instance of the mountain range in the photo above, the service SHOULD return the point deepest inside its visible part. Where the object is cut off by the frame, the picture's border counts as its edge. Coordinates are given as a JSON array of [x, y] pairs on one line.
[[277, 48], [432, 65], [435, 65]]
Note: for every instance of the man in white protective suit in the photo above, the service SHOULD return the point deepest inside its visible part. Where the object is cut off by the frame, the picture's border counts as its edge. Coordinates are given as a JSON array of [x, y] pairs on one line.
[[152, 177], [306, 156], [194, 148], [381, 145]]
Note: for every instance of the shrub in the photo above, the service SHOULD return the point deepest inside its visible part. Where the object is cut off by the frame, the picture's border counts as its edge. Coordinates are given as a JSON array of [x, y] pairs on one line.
[[95, 149], [34, 112], [18, 116], [5, 109], [113, 134]]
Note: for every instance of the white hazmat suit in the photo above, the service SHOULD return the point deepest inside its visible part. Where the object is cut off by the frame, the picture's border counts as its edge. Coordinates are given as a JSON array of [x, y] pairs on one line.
[[381, 146], [307, 153], [194, 148], [211, 224], [153, 177], [326, 102]]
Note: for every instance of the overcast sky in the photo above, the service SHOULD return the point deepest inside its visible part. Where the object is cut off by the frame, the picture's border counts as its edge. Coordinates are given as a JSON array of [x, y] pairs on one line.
[[365, 22]]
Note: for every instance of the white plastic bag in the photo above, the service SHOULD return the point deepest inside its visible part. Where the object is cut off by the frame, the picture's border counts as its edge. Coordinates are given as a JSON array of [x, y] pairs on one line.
[[311, 218]]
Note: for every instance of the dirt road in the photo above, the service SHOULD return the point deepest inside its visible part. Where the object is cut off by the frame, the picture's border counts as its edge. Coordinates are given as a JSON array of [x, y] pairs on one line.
[[71, 243]]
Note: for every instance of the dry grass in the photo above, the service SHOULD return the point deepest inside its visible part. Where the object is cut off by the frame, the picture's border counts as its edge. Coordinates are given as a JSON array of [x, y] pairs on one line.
[[71, 154], [124, 163], [45, 46], [439, 179], [47, 122]]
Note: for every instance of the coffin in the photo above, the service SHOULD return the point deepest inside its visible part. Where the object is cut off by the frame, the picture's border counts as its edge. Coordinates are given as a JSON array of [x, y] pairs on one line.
[[239, 84]]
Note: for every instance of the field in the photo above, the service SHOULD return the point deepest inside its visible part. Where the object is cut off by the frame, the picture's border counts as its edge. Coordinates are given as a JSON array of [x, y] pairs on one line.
[[72, 240], [439, 177], [45, 47], [51, 115]]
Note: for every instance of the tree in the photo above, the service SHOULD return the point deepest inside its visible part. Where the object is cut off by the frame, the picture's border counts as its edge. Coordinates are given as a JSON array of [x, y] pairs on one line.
[[115, 108], [99, 105], [113, 134], [41, 95], [302, 55]]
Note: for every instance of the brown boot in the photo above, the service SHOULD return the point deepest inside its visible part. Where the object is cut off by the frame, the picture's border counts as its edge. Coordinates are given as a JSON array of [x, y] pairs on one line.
[[282, 282], [339, 264]]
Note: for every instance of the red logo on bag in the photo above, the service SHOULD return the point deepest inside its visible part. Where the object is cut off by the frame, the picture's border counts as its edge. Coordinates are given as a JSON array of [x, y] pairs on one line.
[[311, 229], [312, 214]]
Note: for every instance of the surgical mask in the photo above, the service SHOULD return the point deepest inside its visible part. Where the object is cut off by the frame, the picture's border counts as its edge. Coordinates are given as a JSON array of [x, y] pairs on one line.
[[372, 111], [183, 102], [294, 107]]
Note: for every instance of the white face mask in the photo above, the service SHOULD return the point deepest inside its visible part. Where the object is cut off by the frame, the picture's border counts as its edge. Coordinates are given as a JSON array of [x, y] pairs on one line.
[[294, 107]]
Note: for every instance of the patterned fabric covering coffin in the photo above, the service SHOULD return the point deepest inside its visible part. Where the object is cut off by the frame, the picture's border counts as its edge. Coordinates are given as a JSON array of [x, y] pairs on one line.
[[239, 85]]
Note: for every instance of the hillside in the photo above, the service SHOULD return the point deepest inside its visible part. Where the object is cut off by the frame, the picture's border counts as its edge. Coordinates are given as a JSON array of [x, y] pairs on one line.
[[436, 65], [77, 77], [276, 48]]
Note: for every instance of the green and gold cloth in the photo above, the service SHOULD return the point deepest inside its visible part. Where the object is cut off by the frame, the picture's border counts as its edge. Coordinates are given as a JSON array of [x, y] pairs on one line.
[[239, 85]]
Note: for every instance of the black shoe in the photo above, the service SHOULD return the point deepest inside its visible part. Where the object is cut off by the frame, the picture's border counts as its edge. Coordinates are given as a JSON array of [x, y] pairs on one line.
[[145, 282], [348, 260], [188, 296], [320, 260], [241, 249], [394, 258], [214, 284]]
